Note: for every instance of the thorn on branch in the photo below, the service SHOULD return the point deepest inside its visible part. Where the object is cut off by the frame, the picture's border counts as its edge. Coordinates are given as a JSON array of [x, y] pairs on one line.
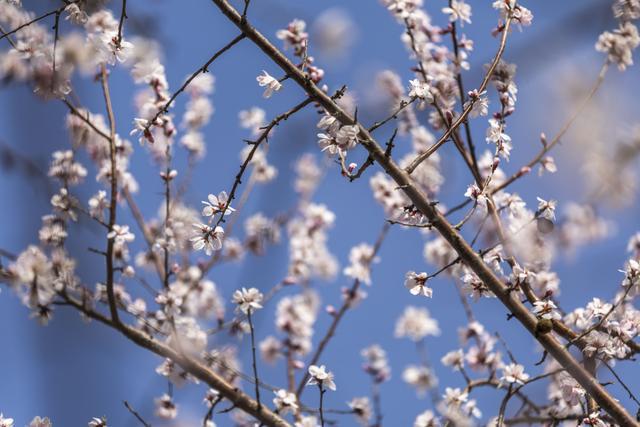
[[541, 361], [390, 144], [97, 251]]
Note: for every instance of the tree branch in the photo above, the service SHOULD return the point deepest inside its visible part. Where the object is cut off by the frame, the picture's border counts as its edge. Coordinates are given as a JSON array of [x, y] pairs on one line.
[[422, 203]]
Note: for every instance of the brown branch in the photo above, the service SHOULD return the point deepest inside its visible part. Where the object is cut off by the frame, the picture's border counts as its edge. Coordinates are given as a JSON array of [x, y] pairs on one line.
[[56, 30], [541, 420], [82, 117], [196, 368], [369, 160], [9, 39], [254, 362], [256, 144], [104, 77], [135, 414], [425, 206]]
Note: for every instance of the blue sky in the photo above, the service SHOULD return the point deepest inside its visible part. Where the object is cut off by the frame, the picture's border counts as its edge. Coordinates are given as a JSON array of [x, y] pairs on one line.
[[72, 371]]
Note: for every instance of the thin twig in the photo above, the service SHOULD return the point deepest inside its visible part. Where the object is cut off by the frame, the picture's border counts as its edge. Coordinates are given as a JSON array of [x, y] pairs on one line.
[[403, 104], [556, 139], [485, 81], [264, 136], [320, 408], [123, 16], [135, 414], [627, 389], [33, 21], [467, 125], [254, 362], [377, 404], [56, 29], [137, 215], [9, 39], [369, 161], [204, 69], [86, 119], [340, 314]]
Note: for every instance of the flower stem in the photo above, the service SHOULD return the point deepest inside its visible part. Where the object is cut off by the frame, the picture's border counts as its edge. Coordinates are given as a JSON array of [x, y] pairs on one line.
[[254, 362], [322, 391]]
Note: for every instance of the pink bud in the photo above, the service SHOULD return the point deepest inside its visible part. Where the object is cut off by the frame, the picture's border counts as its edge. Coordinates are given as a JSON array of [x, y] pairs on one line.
[[543, 139], [331, 310], [129, 271], [352, 167], [496, 163], [289, 280], [448, 116]]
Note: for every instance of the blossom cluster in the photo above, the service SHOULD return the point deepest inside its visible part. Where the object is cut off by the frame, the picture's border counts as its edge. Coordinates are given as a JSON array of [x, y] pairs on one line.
[[495, 246]]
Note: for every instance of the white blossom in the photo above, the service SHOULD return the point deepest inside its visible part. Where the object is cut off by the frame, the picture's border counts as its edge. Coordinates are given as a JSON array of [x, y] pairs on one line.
[[166, 408], [458, 11], [97, 422], [426, 419], [361, 257], [5, 422], [514, 373], [217, 204], [208, 238], [319, 375], [416, 323], [285, 402], [455, 359], [419, 377], [252, 119], [547, 209], [121, 234], [247, 299], [455, 396], [546, 309], [619, 44], [269, 83], [417, 284], [361, 407], [421, 90]]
